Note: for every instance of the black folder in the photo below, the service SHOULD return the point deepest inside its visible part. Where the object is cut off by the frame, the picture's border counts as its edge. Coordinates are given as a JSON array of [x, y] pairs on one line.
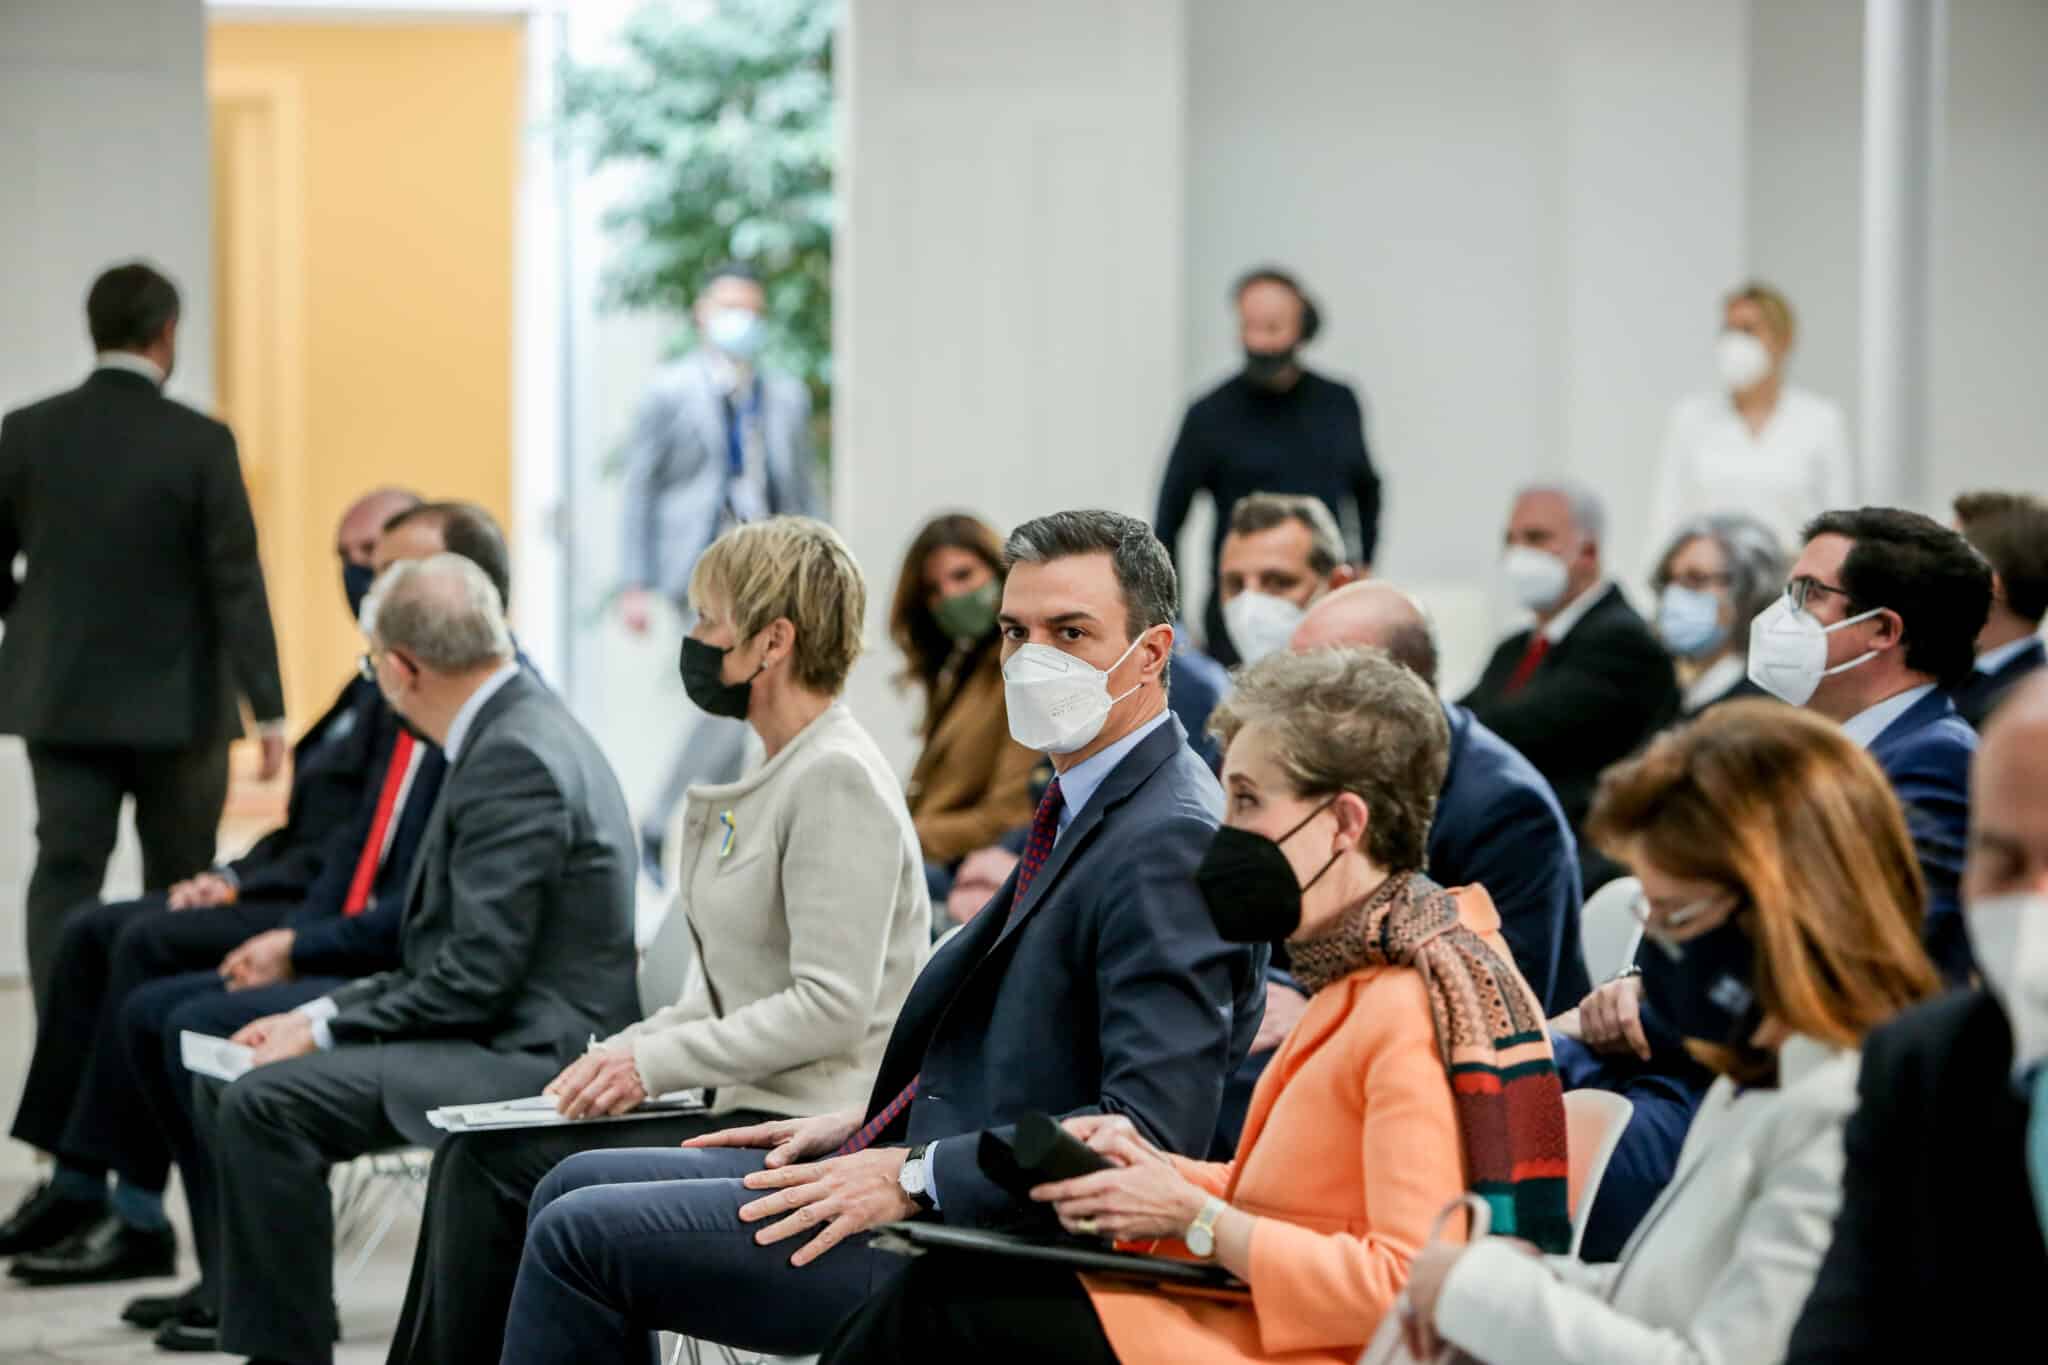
[[913, 1239]]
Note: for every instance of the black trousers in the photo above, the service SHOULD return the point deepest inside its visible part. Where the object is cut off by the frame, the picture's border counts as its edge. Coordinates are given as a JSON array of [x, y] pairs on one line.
[[985, 1309], [151, 1019], [467, 1258], [179, 794], [81, 1102]]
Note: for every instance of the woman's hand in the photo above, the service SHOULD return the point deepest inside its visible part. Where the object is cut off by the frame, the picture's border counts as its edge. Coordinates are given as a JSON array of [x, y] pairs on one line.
[[598, 1084], [1610, 1019], [1142, 1196]]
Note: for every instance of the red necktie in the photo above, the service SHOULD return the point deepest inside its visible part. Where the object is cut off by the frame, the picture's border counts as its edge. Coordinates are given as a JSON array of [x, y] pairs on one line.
[[373, 847], [1045, 832], [1539, 645]]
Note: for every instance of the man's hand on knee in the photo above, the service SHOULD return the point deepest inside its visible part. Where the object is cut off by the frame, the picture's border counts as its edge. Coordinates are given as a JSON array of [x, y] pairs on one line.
[[788, 1140], [196, 893], [843, 1196], [277, 1037]]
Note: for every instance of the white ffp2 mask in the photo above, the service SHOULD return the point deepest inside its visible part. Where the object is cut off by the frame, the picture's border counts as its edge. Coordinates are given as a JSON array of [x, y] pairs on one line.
[[1788, 651], [1056, 702], [1535, 578], [1741, 359], [1260, 624], [2009, 939]]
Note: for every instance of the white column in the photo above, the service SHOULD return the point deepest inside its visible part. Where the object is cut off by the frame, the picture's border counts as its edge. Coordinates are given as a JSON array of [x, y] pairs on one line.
[[1007, 303], [1902, 97]]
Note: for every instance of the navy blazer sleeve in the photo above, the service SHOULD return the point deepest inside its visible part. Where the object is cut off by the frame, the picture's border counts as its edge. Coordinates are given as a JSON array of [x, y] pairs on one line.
[[1168, 998], [1529, 864], [1933, 784]]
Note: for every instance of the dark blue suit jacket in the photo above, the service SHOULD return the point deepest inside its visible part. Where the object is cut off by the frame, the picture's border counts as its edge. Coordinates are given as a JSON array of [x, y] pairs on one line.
[[1926, 753], [1976, 699], [1499, 825], [331, 765], [1105, 990]]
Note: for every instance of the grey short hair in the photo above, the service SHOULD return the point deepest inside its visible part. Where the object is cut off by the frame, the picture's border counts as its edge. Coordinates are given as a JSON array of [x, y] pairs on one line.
[[443, 611], [1589, 513], [1350, 720], [1144, 572], [1757, 564], [1256, 512]]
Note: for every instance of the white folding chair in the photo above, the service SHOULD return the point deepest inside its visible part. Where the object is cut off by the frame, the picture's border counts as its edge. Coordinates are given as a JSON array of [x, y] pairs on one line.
[[1593, 1122], [369, 1194], [1609, 930]]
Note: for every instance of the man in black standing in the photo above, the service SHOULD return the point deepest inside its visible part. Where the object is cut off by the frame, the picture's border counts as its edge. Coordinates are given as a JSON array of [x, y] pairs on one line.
[[140, 619], [1274, 427]]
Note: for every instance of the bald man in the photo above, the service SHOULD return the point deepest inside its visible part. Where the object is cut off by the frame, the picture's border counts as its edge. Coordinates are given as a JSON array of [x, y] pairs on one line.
[[1945, 1197], [78, 1104], [1498, 824]]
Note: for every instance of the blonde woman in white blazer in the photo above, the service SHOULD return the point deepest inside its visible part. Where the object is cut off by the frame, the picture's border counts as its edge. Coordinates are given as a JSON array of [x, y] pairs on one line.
[[1782, 904], [803, 890]]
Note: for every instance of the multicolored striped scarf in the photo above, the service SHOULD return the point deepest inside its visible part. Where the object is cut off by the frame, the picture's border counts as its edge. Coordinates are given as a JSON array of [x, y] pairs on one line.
[[1493, 1039]]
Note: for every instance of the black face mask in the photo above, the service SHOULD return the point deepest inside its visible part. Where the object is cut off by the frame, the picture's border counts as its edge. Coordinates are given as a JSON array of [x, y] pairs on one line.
[[703, 669], [1249, 886], [1708, 990], [355, 582], [1265, 367]]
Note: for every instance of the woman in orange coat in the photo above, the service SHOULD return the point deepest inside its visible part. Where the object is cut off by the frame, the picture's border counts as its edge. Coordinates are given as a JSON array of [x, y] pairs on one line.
[[1420, 1071]]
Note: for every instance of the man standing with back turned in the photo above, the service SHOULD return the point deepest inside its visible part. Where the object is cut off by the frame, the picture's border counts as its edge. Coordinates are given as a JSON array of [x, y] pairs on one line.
[[141, 616]]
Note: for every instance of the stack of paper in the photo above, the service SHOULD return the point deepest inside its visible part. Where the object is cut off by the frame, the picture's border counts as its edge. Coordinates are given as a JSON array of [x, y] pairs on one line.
[[207, 1055], [538, 1111]]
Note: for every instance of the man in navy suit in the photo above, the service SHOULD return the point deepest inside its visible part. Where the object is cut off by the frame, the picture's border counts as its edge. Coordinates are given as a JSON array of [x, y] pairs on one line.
[[1901, 599], [76, 1103], [2011, 531], [1094, 982]]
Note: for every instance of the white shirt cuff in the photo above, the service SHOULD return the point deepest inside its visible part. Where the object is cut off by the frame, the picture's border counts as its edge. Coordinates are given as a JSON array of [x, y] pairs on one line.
[[931, 1173], [320, 1011], [266, 729]]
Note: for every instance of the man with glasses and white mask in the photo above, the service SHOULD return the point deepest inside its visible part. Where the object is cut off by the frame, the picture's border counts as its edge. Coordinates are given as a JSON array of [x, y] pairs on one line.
[[1945, 1197], [1880, 616], [1587, 683], [1284, 552]]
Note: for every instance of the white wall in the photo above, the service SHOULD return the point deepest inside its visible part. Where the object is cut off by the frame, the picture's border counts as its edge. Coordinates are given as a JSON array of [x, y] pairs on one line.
[[1518, 218], [105, 157], [1989, 419], [1008, 273]]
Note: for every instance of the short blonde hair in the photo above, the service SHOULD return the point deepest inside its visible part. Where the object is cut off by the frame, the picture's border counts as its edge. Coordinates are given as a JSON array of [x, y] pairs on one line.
[[795, 569], [1350, 720], [1776, 308]]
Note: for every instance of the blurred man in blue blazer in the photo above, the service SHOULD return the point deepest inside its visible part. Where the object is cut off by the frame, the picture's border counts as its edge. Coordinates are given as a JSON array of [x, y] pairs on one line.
[[1880, 616], [2011, 531]]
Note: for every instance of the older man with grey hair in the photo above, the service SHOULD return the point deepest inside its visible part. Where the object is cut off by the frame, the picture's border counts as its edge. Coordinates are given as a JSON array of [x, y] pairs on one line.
[[517, 948], [1587, 683]]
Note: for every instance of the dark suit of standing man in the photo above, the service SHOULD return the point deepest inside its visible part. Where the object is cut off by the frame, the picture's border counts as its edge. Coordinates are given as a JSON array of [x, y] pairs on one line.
[[141, 616], [1093, 982], [1587, 684], [516, 946]]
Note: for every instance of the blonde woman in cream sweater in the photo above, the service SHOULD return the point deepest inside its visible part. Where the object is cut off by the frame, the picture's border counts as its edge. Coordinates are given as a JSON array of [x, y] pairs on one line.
[[804, 893]]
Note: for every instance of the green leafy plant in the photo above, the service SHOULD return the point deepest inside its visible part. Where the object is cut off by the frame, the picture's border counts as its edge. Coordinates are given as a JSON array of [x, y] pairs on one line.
[[726, 109]]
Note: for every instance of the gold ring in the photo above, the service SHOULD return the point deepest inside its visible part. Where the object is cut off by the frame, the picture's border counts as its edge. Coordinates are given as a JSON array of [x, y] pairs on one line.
[[1085, 1226]]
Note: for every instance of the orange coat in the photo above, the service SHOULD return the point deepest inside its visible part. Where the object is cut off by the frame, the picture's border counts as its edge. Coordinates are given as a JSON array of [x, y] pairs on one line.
[[1350, 1150]]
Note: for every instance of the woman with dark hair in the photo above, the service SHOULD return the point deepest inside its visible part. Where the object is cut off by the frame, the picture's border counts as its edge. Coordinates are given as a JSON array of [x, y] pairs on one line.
[[972, 782]]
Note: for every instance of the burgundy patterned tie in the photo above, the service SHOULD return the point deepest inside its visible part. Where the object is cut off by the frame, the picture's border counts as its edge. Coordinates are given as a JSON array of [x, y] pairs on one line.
[[1045, 831]]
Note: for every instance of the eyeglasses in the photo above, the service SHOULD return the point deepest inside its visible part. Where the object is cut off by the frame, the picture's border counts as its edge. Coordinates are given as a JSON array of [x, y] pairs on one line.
[[1805, 586], [1671, 920], [366, 667]]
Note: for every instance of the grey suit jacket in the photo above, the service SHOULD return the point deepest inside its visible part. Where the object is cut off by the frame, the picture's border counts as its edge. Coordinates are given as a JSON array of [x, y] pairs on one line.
[[676, 466], [518, 932]]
